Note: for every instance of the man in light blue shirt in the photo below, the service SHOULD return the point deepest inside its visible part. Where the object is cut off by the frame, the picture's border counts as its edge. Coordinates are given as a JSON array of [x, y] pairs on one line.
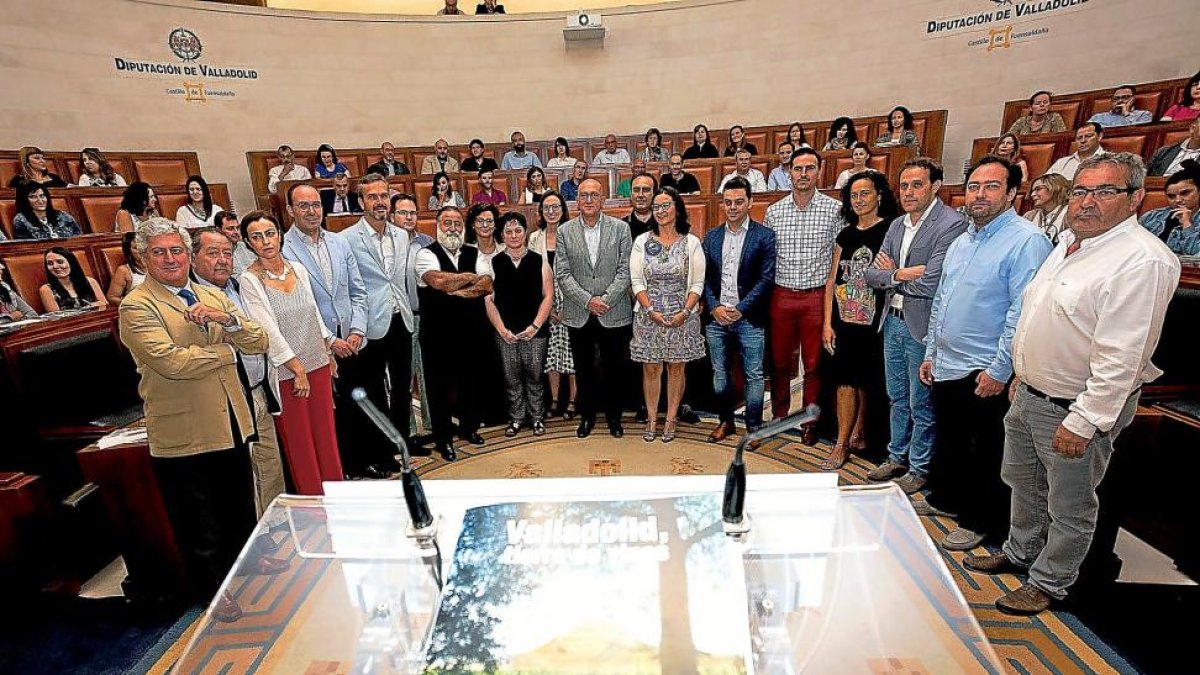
[[1122, 113], [517, 159], [781, 176], [968, 353]]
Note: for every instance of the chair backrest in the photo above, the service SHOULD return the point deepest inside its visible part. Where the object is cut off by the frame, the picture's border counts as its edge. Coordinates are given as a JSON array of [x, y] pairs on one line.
[[100, 211], [1038, 157], [168, 171], [28, 273]]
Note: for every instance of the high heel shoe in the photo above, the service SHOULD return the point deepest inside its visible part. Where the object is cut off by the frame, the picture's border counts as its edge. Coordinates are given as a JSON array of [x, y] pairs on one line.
[[648, 434], [668, 434]]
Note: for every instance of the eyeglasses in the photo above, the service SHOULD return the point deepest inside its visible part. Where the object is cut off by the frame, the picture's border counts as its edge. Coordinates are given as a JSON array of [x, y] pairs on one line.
[[405, 214], [663, 208], [307, 206], [552, 207], [588, 196], [1103, 193]]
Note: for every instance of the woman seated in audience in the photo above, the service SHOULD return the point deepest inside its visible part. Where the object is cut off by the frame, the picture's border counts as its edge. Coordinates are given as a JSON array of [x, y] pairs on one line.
[[38, 219], [535, 186], [444, 194], [737, 141], [95, 171], [859, 156], [842, 135], [900, 130], [129, 275], [67, 287], [570, 187], [796, 136], [853, 310], [562, 158], [481, 228], [519, 310], [1008, 146], [137, 204], [701, 148], [278, 296], [1048, 193], [1040, 120], [327, 163], [34, 170], [1188, 107], [12, 306], [654, 151], [199, 211], [552, 212], [666, 269]]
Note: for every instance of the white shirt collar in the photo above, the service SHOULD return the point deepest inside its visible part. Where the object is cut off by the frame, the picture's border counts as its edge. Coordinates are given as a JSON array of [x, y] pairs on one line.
[[924, 216]]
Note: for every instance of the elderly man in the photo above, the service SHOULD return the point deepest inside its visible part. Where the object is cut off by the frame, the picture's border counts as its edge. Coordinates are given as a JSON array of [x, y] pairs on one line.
[[592, 269], [1087, 144], [1122, 112], [757, 181], [452, 280], [477, 161], [227, 223], [518, 159], [185, 340], [611, 154], [340, 199], [440, 160], [389, 165], [1093, 315], [968, 358], [287, 169]]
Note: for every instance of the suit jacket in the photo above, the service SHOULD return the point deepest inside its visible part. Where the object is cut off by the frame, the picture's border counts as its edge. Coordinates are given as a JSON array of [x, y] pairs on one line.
[[928, 248], [580, 280], [1162, 159], [189, 374], [344, 305], [755, 275], [327, 197], [361, 240], [431, 165], [381, 168]]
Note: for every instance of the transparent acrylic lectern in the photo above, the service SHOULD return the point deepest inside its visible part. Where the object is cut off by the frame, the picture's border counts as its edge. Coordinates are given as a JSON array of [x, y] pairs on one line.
[[597, 575]]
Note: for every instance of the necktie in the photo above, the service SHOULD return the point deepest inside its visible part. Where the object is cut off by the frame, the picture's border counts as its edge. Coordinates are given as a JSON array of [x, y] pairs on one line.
[[188, 296], [344, 209]]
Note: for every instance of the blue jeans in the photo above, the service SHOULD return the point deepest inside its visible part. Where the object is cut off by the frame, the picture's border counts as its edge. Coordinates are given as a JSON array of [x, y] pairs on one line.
[[912, 425], [751, 343]]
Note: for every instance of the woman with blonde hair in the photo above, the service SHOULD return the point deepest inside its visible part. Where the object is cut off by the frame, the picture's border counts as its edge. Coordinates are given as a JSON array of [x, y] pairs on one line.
[[35, 170], [1048, 194], [1008, 146]]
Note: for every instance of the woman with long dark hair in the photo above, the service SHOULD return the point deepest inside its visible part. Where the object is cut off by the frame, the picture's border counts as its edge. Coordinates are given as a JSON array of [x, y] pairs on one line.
[[137, 204], [67, 287], [199, 211], [38, 219], [1188, 107], [481, 228], [560, 157], [95, 171], [129, 275], [842, 135], [701, 147], [899, 130], [444, 193], [328, 165], [535, 186]]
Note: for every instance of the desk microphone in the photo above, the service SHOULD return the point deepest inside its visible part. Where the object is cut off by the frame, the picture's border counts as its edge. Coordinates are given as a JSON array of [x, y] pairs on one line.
[[414, 494], [733, 505]]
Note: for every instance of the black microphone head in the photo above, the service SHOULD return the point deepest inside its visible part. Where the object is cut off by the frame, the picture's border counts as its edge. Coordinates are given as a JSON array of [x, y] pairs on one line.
[[359, 394]]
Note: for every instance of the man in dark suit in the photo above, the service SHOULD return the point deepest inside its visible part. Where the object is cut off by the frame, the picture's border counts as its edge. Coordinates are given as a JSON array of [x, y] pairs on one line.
[[489, 7], [340, 199], [738, 276], [389, 165], [1167, 159], [909, 267]]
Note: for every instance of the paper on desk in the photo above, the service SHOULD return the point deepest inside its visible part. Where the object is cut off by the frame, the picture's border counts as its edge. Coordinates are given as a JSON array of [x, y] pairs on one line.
[[124, 436]]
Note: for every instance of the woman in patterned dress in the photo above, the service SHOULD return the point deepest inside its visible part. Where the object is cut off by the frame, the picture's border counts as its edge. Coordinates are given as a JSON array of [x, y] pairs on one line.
[[552, 212], [666, 269]]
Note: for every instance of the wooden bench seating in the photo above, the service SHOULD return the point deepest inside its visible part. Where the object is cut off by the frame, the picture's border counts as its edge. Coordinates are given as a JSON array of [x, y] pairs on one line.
[[1077, 107], [95, 209], [155, 168]]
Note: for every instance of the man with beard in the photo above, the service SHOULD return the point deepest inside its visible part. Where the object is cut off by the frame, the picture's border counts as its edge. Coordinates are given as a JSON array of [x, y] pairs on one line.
[[452, 280], [517, 159], [440, 161], [389, 165], [477, 161]]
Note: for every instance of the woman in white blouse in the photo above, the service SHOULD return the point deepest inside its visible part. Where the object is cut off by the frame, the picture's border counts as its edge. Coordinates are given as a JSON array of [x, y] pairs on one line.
[[666, 268], [199, 211], [562, 158], [859, 156], [1048, 194], [95, 171]]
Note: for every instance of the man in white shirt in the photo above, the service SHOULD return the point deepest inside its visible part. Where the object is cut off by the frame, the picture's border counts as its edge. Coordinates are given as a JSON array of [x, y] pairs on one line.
[[287, 169], [1169, 159], [1091, 319], [611, 154], [757, 181], [1087, 144], [518, 159]]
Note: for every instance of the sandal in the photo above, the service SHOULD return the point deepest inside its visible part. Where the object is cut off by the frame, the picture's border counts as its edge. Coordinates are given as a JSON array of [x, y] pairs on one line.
[[648, 434], [838, 456], [858, 443], [668, 434]]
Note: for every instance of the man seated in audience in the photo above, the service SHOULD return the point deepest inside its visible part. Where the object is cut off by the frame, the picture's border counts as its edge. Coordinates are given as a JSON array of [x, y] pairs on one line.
[[518, 159], [489, 7], [1079, 371], [340, 199], [1087, 144], [1178, 225], [450, 9], [287, 169], [570, 187], [683, 182], [1040, 120], [185, 340], [753, 176], [489, 194], [1169, 158], [968, 357], [228, 225], [781, 176], [641, 219], [639, 169], [440, 161], [477, 161], [611, 154], [1122, 113], [389, 165]]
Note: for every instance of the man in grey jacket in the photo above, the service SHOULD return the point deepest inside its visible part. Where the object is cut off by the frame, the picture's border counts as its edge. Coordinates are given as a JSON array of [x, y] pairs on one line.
[[592, 268], [908, 267]]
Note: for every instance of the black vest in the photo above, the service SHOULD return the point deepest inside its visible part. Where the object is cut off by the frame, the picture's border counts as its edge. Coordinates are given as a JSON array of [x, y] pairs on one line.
[[519, 291], [444, 316]]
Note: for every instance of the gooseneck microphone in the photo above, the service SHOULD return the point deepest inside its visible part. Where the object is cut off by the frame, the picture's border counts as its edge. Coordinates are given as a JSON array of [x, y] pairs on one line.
[[733, 506], [414, 494]]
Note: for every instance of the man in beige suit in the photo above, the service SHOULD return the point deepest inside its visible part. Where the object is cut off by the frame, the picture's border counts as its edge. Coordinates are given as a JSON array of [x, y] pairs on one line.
[[185, 338]]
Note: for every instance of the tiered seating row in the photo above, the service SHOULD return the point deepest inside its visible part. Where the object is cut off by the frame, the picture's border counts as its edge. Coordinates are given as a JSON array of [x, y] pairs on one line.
[[95, 209], [1077, 107], [155, 168]]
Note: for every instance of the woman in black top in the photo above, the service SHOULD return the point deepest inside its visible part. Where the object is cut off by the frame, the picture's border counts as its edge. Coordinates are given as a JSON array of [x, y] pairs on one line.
[[737, 141], [842, 135], [853, 310], [518, 308], [34, 169], [701, 148], [67, 287]]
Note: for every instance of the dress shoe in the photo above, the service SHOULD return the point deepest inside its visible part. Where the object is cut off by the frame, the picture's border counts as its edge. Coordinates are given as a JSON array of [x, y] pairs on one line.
[[924, 508], [887, 471], [687, 415], [809, 435], [723, 431], [642, 415], [585, 428], [910, 483], [1025, 601], [993, 564], [226, 609], [472, 437], [616, 429], [265, 565], [446, 449], [961, 539]]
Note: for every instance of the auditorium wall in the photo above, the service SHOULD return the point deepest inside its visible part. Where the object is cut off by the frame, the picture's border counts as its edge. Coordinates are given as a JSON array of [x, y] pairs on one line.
[[259, 77]]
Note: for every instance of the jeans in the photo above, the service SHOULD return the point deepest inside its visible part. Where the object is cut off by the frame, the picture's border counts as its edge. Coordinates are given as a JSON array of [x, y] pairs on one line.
[[1054, 503], [750, 342], [912, 426]]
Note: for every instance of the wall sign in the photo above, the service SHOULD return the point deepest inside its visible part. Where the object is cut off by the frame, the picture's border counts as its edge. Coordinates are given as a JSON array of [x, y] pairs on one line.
[[999, 24], [198, 77]]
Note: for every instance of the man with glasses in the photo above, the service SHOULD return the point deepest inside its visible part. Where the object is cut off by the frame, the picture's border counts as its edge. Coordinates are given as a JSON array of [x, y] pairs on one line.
[[287, 169], [1122, 112], [683, 182], [440, 161], [1092, 317], [404, 216], [968, 352], [611, 154], [1087, 144], [806, 224], [592, 269], [743, 170]]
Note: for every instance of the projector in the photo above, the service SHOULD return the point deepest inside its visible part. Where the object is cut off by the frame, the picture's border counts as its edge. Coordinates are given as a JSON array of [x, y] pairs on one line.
[[584, 27]]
